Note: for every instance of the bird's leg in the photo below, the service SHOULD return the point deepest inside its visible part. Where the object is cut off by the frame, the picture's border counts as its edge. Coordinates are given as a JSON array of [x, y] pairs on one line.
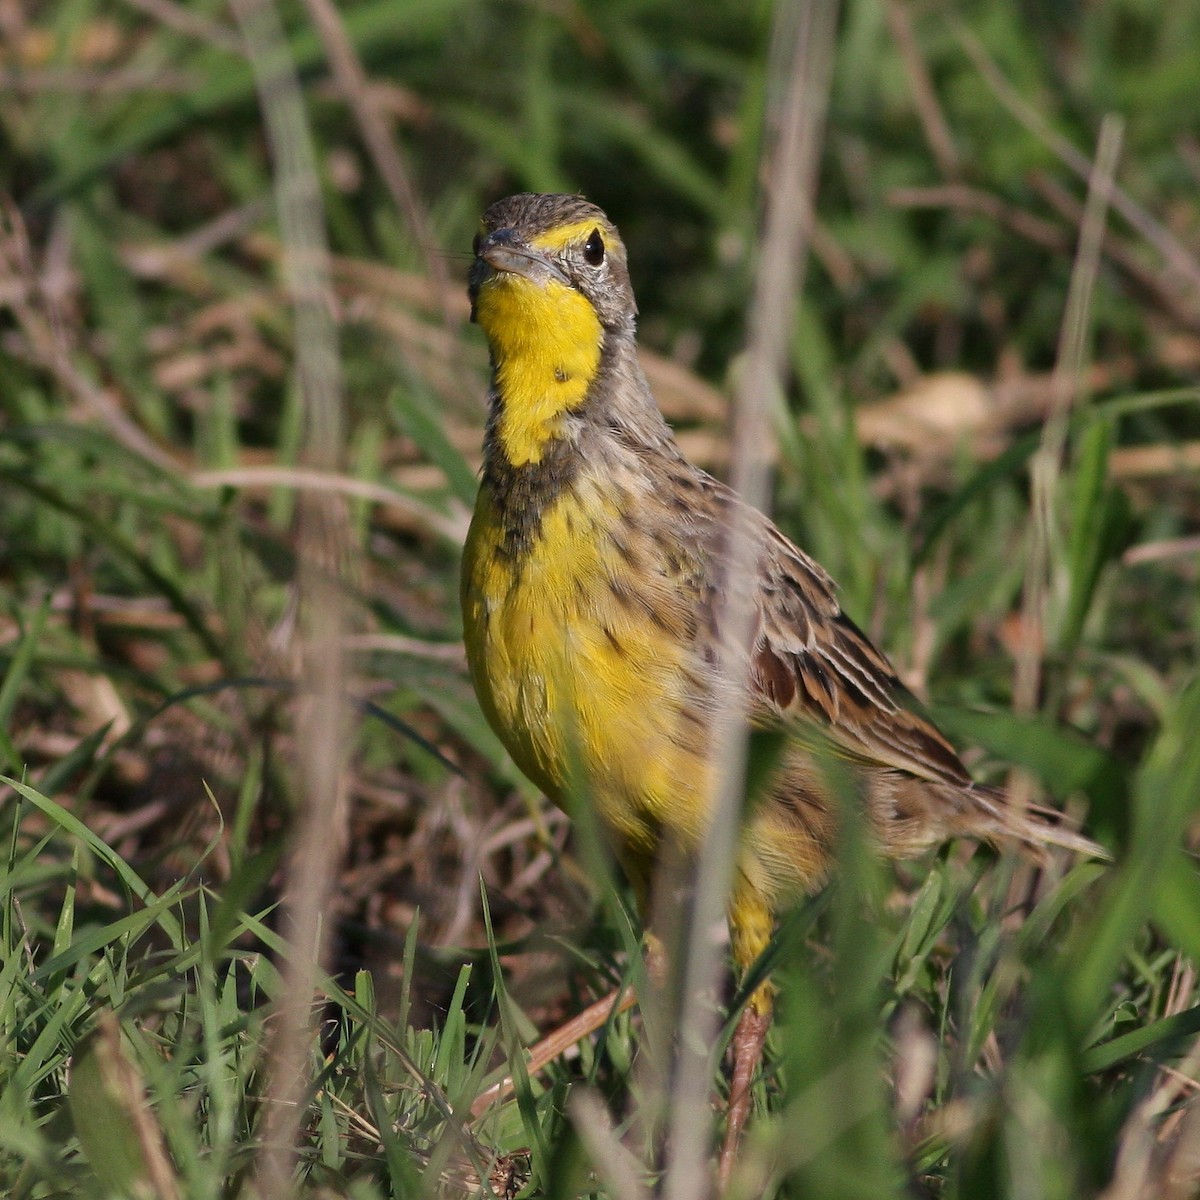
[[748, 1040], [750, 928]]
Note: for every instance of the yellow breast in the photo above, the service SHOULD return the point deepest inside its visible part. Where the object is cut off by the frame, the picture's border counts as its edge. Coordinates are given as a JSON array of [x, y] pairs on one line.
[[586, 689]]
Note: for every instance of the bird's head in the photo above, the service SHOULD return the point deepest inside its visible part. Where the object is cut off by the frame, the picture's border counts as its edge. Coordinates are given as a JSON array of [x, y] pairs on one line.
[[542, 248], [550, 288]]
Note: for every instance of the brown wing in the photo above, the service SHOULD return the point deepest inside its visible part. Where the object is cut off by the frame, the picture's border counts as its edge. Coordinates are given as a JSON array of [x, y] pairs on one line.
[[816, 673], [812, 664]]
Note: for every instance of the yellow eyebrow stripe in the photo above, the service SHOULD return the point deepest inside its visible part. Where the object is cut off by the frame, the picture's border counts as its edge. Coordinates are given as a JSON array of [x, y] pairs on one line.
[[561, 236]]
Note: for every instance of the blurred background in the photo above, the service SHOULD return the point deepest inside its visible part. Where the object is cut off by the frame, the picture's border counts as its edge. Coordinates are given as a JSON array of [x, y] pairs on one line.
[[153, 443]]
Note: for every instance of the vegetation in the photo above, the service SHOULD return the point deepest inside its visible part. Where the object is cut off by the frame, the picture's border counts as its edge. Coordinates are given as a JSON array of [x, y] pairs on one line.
[[990, 436]]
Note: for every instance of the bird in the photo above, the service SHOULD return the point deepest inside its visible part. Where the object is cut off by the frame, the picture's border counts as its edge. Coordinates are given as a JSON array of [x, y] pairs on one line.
[[592, 583]]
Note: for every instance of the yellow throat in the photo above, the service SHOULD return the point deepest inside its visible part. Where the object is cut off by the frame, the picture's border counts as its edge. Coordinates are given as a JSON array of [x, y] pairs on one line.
[[546, 342]]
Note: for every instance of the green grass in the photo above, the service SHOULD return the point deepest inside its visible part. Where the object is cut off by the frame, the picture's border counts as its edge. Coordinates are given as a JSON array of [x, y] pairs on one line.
[[956, 1027]]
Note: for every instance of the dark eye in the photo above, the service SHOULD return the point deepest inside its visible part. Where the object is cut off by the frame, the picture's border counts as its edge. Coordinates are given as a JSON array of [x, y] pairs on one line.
[[593, 248], [476, 241]]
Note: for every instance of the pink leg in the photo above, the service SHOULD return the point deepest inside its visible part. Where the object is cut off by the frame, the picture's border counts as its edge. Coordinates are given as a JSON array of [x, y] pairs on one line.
[[748, 1039]]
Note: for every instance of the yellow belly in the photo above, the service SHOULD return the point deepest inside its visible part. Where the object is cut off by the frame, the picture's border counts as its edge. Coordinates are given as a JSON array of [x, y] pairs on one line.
[[591, 696]]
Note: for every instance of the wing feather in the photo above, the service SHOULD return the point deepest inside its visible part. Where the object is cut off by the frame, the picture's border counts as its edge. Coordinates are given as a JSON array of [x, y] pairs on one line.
[[812, 664]]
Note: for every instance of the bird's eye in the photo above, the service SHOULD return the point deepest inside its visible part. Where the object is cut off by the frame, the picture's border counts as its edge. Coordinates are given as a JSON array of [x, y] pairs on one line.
[[593, 248], [476, 242]]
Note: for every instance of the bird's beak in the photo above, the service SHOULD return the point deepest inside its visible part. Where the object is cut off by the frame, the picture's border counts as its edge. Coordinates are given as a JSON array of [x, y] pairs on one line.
[[502, 253]]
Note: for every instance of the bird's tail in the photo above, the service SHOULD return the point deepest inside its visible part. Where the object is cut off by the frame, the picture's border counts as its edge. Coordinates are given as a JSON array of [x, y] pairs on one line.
[[992, 816]]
